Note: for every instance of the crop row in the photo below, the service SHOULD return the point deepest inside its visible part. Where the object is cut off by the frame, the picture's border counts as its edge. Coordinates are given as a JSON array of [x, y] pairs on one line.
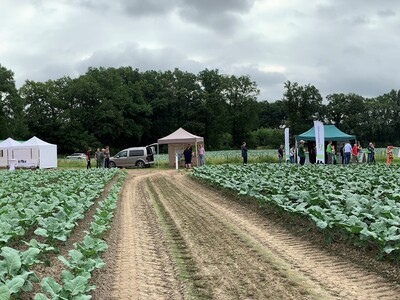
[[362, 200], [16, 275], [50, 201]]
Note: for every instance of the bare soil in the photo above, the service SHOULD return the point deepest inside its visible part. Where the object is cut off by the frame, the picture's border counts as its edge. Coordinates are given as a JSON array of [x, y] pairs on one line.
[[176, 238]]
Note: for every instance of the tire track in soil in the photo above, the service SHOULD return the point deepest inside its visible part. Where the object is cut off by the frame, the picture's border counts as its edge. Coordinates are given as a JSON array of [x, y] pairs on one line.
[[340, 278], [229, 262], [233, 252], [144, 269]]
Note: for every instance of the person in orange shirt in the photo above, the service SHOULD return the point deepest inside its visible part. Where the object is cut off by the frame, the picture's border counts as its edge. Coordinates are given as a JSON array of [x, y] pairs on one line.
[[389, 155], [354, 153]]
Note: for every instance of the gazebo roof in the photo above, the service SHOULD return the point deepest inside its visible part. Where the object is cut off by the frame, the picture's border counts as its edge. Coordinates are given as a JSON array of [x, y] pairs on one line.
[[180, 136], [331, 133]]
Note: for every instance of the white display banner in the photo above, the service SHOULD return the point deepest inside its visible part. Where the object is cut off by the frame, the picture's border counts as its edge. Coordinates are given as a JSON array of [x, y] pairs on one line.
[[287, 144], [319, 141]]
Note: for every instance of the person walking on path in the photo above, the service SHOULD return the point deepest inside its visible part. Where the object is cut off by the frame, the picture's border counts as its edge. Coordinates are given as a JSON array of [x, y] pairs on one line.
[[202, 154], [244, 153], [280, 153], [301, 153], [347, 152], [88, 158]]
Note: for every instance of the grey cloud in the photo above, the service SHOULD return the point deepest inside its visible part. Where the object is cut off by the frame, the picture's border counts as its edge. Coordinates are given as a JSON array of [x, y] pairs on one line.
[[141, 58], [353, 50], [134, 8], [221, 16], [270, 84], [360, 20], [148, 7], [101, 5], [37, 68], [386, 13], [220, 6]]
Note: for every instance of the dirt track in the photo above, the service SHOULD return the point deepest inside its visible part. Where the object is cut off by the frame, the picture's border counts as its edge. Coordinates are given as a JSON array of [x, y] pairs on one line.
[[174, 238]]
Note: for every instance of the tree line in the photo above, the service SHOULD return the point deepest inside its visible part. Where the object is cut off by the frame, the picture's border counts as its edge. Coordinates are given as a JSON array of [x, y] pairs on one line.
[[123, 107]]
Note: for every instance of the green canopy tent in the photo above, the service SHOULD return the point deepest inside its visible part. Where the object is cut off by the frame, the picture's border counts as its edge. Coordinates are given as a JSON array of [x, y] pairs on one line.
[[331, 132]]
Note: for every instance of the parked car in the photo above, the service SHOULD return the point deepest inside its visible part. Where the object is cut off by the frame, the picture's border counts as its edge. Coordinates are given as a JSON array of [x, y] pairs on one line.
[[76, 156], [133, 157]]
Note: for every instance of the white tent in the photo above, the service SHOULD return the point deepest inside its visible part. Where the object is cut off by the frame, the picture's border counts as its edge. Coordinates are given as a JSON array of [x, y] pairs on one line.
[[6, 149], [37, 153], [176, 143], [34, 153]]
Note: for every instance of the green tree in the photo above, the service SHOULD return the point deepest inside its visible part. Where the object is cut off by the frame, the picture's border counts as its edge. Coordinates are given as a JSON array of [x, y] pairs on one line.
[[302, 105], [271, 115], [45, 108], [349, 113], [267, 137], [241, 96], [382, 118], [12, 122], [215, 113]]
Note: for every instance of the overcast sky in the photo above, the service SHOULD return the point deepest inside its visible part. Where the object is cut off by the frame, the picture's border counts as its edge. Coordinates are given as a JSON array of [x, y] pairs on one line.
[[339, 46]]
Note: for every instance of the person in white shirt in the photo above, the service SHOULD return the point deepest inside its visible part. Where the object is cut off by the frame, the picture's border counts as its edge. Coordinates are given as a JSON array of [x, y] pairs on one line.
[[347, 151]]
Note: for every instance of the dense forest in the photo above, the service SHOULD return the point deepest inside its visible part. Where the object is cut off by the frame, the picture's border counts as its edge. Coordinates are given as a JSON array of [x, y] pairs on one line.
[[123, 107]]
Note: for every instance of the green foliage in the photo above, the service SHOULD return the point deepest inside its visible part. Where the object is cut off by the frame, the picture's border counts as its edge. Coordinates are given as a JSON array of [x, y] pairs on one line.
[[272, 138], [14, 270], [366, 206], [12, 119], [302, 105], [73, 287], [123, 107], [51, 201]]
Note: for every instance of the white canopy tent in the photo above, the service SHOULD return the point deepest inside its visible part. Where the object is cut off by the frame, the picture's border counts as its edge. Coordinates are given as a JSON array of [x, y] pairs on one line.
[[6, 148], [34, 153], [37, 152], [176, 142]]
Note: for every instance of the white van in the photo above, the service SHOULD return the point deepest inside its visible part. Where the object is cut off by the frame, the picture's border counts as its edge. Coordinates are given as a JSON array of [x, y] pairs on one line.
[[133, 157]]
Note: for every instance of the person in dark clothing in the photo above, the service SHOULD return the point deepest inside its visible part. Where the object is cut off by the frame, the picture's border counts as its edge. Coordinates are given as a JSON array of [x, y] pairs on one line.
[[188, 153], [371, 153], [342, 154], [312, 153], [244, 153], [88, 158], [280, 154], [107, 156]]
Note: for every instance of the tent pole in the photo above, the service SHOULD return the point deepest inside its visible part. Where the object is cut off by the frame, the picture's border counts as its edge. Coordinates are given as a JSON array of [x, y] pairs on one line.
[[197, 154]]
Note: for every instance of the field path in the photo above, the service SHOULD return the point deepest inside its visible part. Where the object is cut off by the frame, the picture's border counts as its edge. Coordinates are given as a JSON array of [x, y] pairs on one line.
[[174, 238]]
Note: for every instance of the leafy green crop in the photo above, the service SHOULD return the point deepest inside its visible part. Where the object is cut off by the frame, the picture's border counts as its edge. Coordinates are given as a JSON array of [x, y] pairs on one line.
[[363, 200], [14, 270]]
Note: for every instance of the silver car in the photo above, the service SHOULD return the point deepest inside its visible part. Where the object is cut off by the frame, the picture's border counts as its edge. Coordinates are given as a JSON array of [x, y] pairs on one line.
[[133, 157], [76, 156]]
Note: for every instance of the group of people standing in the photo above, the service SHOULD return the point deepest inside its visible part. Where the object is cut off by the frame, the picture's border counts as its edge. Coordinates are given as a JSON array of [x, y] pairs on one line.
[[102, 157], [355, 153], [188, 155], [348, 153]]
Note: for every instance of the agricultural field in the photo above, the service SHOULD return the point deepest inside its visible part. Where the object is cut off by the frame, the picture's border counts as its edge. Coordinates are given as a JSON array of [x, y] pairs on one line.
[[39, 213], [361, 201], [163, 234]]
